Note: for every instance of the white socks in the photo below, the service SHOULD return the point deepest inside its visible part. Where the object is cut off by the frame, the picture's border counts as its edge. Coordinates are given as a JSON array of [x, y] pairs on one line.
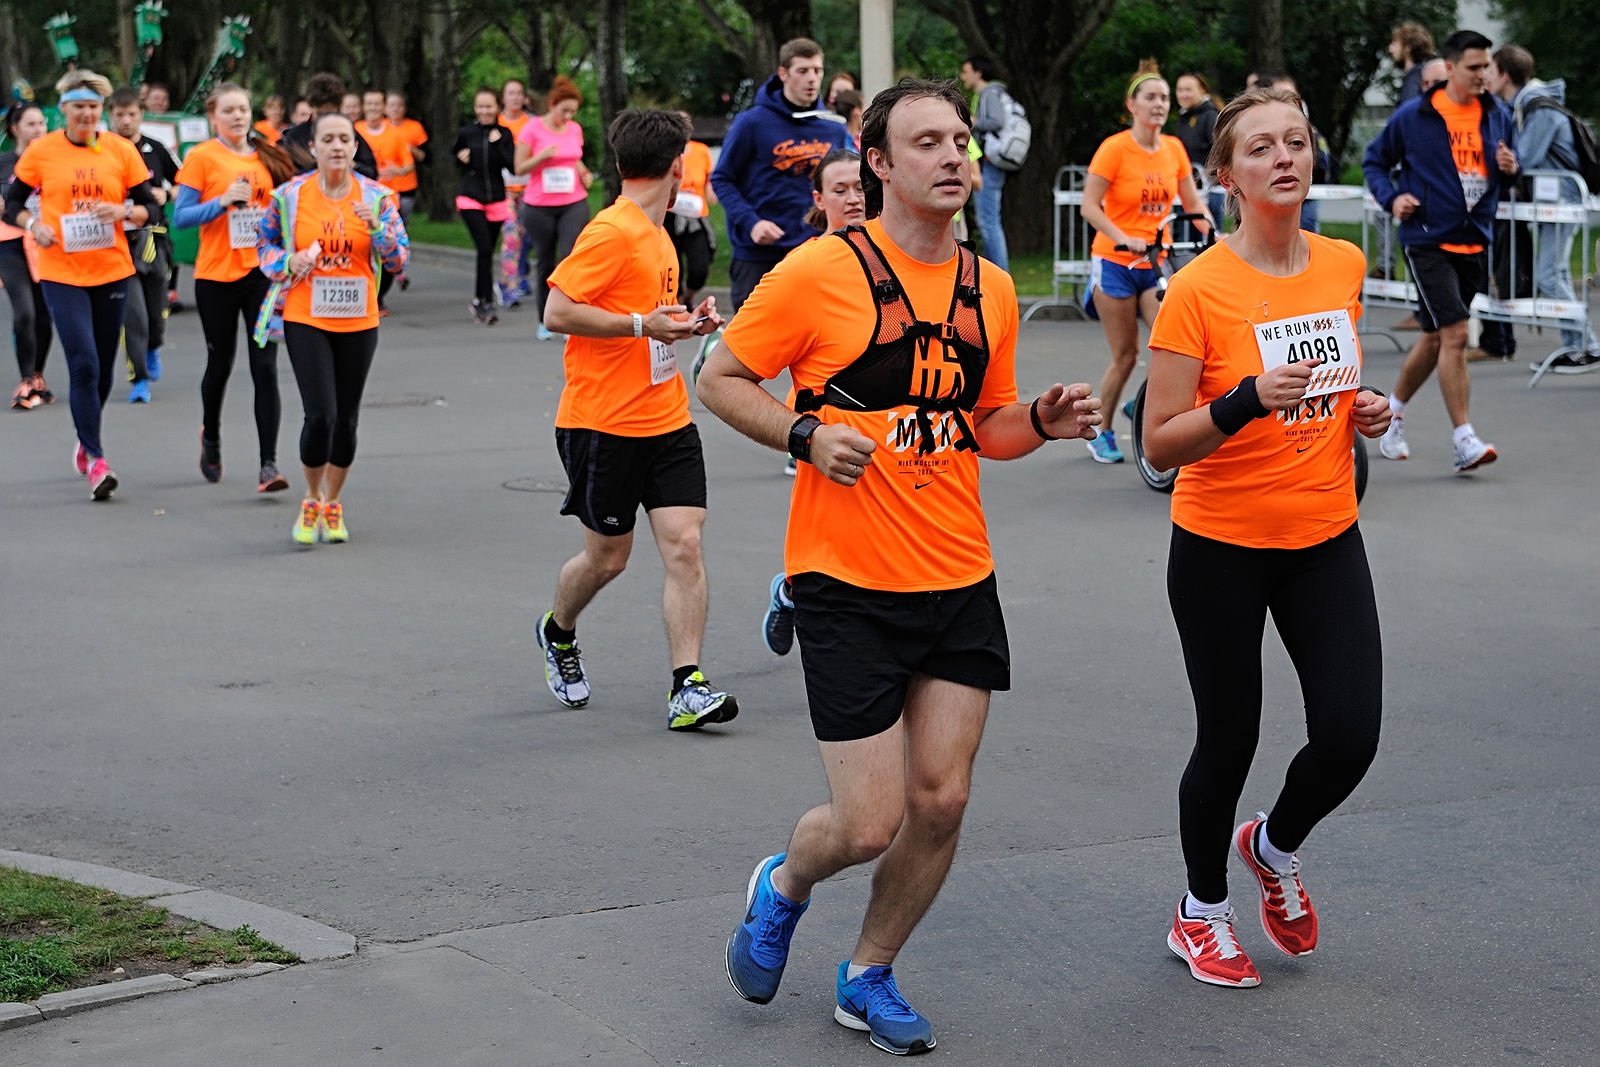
[[1396, 405], [1194, 909], [1269, 854], [1464, 432], [854, 971]]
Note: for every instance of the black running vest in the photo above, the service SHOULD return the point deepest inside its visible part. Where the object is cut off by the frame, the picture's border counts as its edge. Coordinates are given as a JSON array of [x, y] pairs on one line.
[[902, 366]]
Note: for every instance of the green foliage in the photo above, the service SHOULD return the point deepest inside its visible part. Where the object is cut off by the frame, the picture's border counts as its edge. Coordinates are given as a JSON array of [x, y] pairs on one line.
[[1564, 37], [30, 969]]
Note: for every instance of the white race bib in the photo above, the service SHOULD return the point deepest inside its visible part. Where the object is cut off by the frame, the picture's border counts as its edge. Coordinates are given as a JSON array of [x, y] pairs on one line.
[[689, 205], [127, 208], [663, 361], [1473, 186], [558, 180], [1326, 335], [84, 232], [338, 297], [242, 223]]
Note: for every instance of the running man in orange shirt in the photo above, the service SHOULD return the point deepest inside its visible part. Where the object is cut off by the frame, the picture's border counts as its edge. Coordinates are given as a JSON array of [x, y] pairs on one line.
[[905, 365], [1255, 390], [623, 426]]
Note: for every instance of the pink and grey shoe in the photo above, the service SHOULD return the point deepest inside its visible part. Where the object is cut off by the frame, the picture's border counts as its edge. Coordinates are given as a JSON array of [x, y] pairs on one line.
[[101, 479]]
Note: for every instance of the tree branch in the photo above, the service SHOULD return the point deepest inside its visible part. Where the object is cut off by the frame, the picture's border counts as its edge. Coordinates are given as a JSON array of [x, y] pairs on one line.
[[744, 46], [1087, 23], [964, 15]]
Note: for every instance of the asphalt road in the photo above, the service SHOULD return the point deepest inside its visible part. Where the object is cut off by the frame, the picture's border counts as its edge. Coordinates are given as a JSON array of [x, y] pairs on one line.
[[361, 734]]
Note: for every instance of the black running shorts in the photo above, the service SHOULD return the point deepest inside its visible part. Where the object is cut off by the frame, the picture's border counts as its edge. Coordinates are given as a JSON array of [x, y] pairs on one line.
[[608, 477], [1446, 283], [860, 647]]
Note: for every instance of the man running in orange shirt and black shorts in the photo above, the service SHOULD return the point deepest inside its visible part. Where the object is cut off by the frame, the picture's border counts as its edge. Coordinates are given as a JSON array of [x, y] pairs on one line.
[[623, 425], [905, 364]]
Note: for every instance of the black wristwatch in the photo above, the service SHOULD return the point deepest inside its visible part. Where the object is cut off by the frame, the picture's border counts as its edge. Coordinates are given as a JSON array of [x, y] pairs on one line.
[[800, 437]]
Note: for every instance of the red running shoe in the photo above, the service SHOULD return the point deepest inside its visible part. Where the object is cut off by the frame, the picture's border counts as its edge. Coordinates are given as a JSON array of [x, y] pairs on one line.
[[1286, 912], [1209, 948]]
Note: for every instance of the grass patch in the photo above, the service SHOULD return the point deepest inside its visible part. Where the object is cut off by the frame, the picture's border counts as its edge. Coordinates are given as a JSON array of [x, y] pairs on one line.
[[57, 935]]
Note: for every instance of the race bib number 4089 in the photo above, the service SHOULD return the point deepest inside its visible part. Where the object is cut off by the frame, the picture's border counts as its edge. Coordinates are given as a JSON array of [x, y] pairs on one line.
[[1326, 335]]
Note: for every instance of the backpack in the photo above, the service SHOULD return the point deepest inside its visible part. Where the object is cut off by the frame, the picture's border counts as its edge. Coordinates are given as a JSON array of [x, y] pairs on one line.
[[1583, 142], [1008, 147]]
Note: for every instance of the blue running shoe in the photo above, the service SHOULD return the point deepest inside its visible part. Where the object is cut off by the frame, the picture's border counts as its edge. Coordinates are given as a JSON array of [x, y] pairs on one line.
[[778, 627], [873, 1003], [139, 393], [1104, 448], [759, 948], [1127, 409], [152, 364]]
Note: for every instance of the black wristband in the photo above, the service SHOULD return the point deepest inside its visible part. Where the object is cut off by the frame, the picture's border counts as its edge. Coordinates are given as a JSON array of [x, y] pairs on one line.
[[1370, 389], [1038, 427], [1238, 407]]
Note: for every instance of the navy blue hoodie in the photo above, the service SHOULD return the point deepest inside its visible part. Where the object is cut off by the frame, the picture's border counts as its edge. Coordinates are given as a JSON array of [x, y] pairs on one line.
[[765, 170], [1417, 141]]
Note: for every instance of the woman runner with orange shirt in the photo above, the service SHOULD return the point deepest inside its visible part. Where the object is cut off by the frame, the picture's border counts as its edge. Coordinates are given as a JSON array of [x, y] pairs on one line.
[[223, 188], [1133, 179], [88, 185], [326, 234], [1255, 391]]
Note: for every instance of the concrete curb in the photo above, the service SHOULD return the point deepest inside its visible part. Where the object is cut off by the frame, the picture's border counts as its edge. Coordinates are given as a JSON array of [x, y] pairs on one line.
[[306, 938]]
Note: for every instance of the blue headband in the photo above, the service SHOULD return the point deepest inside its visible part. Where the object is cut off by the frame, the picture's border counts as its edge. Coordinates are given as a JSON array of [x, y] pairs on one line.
[[82, 94]]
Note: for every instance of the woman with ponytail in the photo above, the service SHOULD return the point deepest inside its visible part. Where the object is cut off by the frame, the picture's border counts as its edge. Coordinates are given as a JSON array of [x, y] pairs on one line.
[[224, 188]]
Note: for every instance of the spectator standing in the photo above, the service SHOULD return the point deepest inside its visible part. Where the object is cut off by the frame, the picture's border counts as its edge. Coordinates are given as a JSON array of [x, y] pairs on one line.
[[1453, 148], [1544, 142], [763, 176], [1196, 128], [988, 117]]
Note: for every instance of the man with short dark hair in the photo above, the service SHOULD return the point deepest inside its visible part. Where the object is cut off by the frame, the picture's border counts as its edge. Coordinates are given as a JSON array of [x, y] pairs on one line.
[[977, 74], [904, 362], [622, 424], [1453, 147], [325, 93], [145, 321], [1544, 142], [763, 177]]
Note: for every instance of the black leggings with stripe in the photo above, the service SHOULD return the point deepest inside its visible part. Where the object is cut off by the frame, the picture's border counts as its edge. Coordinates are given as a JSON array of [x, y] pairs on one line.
[[1322, 604]]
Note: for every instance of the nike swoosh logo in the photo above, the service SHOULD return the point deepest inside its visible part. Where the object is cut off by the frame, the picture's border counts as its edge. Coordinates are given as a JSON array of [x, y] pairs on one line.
[[1300, 450], [922, 485]]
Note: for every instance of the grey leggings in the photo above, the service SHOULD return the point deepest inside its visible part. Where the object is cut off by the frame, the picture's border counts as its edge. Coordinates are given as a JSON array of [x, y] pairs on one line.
[[30, 319], [552, 231]]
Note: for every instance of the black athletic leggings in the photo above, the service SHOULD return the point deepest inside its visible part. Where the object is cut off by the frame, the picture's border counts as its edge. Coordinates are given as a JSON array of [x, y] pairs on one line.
[[30, 319], [1322, 605], [484, 236], [552, 231], [694, 247], [331, 369], [221, 306]]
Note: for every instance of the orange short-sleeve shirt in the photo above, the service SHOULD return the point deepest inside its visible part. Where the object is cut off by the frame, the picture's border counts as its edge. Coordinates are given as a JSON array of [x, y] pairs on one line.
[[1286, 479], [227, 243], [410, 134], [1465, 124], [1143, 186], [71, 180], [697, 173], [912, 522], [624, 263], [270, 133], [515, 183], [346, 260]]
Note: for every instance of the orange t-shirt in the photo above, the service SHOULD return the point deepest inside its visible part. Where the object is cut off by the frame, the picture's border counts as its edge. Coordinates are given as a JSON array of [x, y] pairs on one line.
[[912, 522], [1464, 121], [515, 183], [1285, 480], [228, 242], [410, 135], [1143, 186], [697, 173], [345, 263], [627, 386], [71, 180], [269, 132], [390, 149]]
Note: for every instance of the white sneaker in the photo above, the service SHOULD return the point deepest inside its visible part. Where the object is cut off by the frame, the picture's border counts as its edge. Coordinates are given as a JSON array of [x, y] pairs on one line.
[[1393, 442], [1472, 453]]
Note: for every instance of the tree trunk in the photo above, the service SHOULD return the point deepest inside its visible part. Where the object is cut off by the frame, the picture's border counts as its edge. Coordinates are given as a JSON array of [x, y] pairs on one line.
[[1266, 37], [610, 39], [438, 110]]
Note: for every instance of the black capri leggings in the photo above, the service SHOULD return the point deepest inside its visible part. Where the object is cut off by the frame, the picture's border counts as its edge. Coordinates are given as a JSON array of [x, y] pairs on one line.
[[30, 319], [484, 234], [1322, 605], [221, 306], [331, 369], [552, 231]]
